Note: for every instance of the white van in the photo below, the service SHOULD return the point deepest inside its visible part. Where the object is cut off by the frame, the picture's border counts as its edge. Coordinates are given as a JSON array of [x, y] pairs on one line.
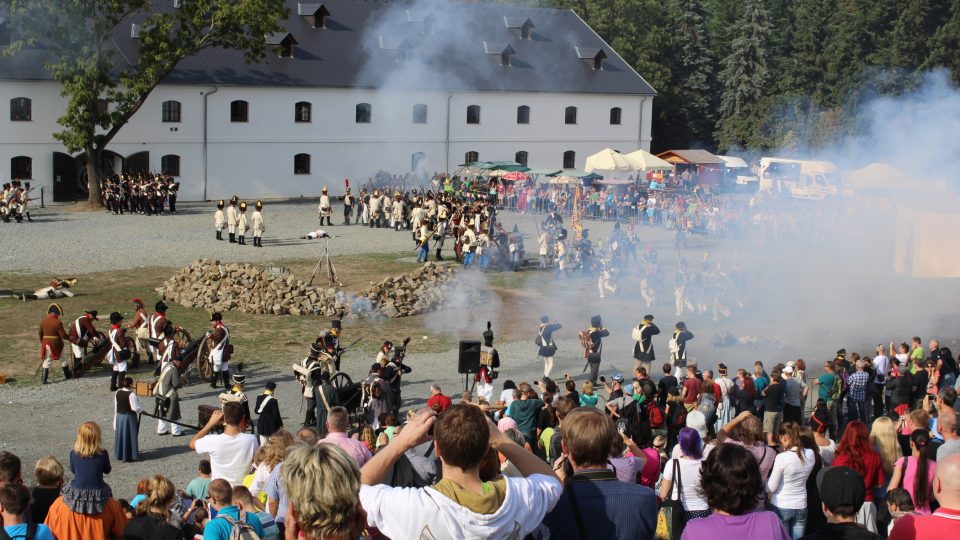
[[800, 179]]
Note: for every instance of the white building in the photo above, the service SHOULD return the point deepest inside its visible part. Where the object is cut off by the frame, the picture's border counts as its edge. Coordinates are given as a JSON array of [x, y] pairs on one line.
[[353, 87]]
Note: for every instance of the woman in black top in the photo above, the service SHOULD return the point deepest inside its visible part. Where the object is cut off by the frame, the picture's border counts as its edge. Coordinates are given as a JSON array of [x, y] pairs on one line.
[[155, 524]]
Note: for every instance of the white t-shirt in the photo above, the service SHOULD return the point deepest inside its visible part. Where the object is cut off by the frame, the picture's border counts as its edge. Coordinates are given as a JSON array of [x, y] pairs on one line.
[[788, 479], [427, 513], [827, 452], [676, 453], [690, 478], [882, 365], [230, 456]]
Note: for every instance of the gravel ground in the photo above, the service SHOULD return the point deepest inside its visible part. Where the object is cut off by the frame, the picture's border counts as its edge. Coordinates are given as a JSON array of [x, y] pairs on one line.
[[80, 242]]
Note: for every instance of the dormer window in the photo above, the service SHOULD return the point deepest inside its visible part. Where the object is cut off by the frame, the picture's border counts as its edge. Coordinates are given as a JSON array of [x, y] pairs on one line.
[[594, 55], [522, 27], [315, 14], [424, 20], [398, 45], [503, 50], [283, 42]]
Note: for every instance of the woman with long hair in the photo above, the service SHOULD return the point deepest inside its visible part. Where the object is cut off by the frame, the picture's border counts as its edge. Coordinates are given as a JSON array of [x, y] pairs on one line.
[[688, 467], [883, 440], [787, 484], [855, 451], [914, 420], [815, 516], [708, 405], [916, 472], [154, 524]]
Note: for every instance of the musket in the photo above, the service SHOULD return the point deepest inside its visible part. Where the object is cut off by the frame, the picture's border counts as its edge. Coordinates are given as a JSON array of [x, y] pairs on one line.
[[170, 421]]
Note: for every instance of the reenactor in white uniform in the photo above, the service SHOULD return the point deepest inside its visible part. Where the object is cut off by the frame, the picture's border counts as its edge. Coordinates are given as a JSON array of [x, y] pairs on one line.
[[242, 223], [376, 209], [325, 208], [118, 354], [257, 222], [232, 219], [348, 203], [220, 221], [220, 350]]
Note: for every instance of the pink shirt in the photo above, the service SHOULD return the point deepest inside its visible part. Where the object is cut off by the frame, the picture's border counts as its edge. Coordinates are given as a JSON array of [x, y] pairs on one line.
[[354, 448], [910, 476]]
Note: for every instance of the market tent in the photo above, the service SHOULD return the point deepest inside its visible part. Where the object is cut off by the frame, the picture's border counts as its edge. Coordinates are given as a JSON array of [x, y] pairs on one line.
[[879, 176], [547, 172], [645, 161], [734, 162], [693, 157], [615, 182], [609, 160], [515, 176]]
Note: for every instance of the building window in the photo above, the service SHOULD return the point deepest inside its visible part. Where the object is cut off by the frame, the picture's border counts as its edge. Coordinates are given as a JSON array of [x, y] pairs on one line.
[[301, 112], [20, 109], [419, 113], [615, 116], [239, 111], [171, 111], [521, 157], [569, 159], [21, 168], [364, 113], [570, 115], [523, 114], [473, 114], [301, 164], [417, 161], [170, 165], [471, 157]]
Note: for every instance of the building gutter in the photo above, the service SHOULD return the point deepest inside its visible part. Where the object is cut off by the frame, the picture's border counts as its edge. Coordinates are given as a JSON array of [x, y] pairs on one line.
[[205, 96], [446, 141]]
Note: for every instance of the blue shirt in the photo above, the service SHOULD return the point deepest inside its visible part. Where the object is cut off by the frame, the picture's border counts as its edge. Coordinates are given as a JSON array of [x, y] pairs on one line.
[[610, 509], [275, 492], [219, 528], [20, 531]]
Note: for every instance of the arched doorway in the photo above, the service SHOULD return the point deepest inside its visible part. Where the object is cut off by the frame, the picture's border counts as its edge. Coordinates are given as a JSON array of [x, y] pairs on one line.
[[137, 164], [64, 177], [111, 163]]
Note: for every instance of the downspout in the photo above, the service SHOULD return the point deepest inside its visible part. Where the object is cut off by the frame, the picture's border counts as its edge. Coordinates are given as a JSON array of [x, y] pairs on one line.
[[446, 145], [205, 96], [643, 101]]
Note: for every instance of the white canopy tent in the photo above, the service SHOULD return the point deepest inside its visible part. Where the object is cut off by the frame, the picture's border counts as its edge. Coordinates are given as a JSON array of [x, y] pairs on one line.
[[611, 161], [734, 162], [645, 161]]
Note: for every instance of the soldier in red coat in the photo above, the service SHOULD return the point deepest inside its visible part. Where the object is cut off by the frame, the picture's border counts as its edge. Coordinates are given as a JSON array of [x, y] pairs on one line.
[[52, 335], [82, 333]]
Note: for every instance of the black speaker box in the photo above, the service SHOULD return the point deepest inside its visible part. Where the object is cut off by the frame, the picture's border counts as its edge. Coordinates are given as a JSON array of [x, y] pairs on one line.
[[469, 358]]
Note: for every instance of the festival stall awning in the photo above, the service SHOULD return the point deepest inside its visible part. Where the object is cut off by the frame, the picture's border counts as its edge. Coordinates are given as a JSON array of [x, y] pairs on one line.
[[692, 157], [645, 161], [615, 182], [547, 172], [609, 160], [515, 176], [734, 162], [879, 176]]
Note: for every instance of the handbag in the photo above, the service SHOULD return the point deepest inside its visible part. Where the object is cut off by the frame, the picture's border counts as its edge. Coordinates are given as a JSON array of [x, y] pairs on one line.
[[124, 354], [670, 518]]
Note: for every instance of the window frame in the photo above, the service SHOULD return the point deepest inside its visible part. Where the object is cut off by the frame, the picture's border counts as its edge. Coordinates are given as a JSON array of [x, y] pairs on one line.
[[616, 113], [570, 155], [570, 115], [473, 114], [298, 109], [170, 165], [18, 104], [523, 114], [236, 107], [472, 153], [170, 111], [363, 113], [17, 167], [423, 110], [299, 160], [522, 157]]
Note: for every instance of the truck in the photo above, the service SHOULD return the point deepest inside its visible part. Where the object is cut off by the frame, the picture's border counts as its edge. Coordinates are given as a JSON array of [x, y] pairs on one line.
[[799, 179], [738, 174]]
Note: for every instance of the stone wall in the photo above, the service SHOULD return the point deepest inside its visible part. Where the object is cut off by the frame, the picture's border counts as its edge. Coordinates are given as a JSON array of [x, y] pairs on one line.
[[247, 288]]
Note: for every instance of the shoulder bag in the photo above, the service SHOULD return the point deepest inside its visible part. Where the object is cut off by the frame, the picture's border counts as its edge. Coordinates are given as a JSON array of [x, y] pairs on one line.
[[670, 519]]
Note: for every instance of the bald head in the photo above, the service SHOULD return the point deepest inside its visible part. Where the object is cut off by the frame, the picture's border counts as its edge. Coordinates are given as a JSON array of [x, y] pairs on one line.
[[946, 485], [947, 420]]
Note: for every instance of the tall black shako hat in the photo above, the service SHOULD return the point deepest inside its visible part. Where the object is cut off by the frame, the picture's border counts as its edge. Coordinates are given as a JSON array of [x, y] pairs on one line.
[[488, 335], [595, 321]]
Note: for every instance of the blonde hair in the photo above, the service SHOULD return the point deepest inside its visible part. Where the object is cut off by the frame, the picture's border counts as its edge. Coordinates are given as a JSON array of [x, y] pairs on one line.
[[323, 486], [369, 436], [48, 472], [161, 494], [88, 443], [273, 453], [588, 388], [883, 438], [283, 438]]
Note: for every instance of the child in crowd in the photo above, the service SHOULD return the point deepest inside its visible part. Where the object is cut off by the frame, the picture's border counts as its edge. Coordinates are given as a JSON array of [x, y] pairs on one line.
[[143, 490], [899, 503], [14, 501], [49, 475], [197, 488], [87, 493]]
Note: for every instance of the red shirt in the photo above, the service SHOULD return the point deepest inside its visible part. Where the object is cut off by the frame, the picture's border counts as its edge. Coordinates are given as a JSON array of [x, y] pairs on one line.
[[873, 476], [692, 385], [441, 400], [944, 523]]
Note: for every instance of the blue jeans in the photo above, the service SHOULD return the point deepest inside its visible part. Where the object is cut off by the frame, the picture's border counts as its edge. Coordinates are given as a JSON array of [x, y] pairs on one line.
[[858, 410], [794, 520], [468, 258], [424, 253]]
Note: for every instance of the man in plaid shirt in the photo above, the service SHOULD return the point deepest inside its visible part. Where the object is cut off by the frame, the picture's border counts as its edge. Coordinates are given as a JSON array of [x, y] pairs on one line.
[[858, 392]]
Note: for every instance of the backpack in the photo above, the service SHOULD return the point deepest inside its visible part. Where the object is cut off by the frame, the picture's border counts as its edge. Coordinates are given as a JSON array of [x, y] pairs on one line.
[[655, 415], [30, 534], [839, 387], [240, 530], [678, 416]]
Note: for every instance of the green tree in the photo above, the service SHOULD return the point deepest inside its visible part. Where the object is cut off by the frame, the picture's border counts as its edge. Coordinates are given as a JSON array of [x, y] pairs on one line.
[[744, 80], [78, 35], [946, 43], [695, 76]]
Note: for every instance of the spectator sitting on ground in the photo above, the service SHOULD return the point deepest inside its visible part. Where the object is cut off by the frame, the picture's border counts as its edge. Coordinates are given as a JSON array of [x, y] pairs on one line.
[[597, 505], [842, 491], [232, 451], [460, 505], [338, 420], [731, 482], [945, 522], [154, 524], [49, 475], [323, 485], [228, 514], [14, 503]]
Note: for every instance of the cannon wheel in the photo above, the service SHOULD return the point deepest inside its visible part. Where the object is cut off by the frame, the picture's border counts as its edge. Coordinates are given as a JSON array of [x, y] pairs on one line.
[[131, 345], [182, 337], [204, 367], [341, 381]]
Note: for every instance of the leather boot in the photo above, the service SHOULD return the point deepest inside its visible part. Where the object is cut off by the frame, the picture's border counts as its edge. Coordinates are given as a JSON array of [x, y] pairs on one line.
[[233, 239], [226, 379], [113, 380], [242, 241], [218, 236], [46, 374], [213, 383], [28, 217], [439, 258]]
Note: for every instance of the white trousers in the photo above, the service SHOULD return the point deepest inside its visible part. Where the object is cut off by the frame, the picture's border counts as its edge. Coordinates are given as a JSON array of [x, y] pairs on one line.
[[547, 365], [163, 427], [216, 358]]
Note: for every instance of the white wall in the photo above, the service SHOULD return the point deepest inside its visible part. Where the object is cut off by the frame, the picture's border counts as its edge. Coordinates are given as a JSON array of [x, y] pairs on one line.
[[255, 159]]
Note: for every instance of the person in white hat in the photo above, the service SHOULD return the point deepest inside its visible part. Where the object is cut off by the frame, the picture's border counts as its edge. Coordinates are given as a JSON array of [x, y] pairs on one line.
[[325, 208]]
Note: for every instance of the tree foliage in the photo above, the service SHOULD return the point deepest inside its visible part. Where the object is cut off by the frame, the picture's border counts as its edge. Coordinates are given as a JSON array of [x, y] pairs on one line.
[[744, 79], [104, 86]]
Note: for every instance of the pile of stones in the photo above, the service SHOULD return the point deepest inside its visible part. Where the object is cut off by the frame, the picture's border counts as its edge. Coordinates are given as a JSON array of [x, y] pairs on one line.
[[250, 289]]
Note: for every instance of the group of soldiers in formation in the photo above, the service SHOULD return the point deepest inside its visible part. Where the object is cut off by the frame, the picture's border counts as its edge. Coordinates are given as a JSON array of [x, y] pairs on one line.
[[144, 194], [234, 219], [14, 199]]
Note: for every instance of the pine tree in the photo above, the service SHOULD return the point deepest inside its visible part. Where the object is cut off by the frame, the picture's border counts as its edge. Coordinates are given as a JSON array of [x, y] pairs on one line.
[[808, 63], [744, 80], [696, 80], [946, 43]]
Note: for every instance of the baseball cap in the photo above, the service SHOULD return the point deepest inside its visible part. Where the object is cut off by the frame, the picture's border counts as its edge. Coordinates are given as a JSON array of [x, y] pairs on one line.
[[840, 486], [628, 389], [697, 421], [788, 369], [792, 363]]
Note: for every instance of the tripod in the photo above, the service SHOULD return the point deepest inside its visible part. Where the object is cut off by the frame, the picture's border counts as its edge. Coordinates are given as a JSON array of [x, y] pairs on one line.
[[331, 271]]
